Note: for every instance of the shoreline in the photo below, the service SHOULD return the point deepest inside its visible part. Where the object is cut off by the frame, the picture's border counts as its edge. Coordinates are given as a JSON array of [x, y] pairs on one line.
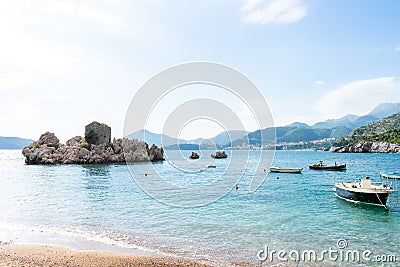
[[22, 245], [50, 255]]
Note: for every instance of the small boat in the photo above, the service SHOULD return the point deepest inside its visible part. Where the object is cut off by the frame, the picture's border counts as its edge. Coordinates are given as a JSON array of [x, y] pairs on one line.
[[393, 176], [285, 170], [321, 166], [211, 166], [363, 191]]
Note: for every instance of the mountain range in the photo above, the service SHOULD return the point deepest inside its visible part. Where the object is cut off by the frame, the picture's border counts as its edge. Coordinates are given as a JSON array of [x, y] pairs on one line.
[[293, 133], [14, 142], [384, 130], [353, 121], [169, 142]]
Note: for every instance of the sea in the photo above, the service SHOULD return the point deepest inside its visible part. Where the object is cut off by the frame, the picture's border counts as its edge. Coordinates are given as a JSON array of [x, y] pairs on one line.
[[288, 217]]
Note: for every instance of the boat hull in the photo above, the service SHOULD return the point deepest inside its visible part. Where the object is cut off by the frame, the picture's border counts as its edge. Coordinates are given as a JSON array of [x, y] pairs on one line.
[[377, 198], [328, 168], [285, 170]]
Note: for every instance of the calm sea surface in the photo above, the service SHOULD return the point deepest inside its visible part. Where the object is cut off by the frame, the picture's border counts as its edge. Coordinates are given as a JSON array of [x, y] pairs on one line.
[[103, 204]]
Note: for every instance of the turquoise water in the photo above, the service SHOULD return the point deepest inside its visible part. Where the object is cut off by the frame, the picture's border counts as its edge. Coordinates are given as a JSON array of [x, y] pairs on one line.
[[294, 212]]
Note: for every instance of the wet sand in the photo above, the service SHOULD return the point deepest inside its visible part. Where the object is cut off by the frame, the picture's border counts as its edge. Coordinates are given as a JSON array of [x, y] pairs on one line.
[[45, 255]]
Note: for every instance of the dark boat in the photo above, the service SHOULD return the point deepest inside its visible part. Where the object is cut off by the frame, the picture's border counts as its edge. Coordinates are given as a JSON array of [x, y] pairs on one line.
[[363, 191], [321, 166]]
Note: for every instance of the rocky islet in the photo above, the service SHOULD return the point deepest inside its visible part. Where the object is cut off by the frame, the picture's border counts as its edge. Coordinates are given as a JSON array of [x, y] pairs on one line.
[[77, 150]]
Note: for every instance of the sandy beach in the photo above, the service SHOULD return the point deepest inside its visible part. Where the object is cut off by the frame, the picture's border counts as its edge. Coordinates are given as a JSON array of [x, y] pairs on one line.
[[46, 255]]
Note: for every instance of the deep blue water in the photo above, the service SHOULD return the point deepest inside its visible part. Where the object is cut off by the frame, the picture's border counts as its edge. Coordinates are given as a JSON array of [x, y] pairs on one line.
[[296, 211]]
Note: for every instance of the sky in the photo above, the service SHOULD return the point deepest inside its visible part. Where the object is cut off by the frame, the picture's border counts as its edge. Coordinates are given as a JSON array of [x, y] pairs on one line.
[[64, 64]]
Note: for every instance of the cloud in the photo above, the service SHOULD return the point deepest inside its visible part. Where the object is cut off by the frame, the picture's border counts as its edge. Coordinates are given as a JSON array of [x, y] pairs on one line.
[[14, 80], [273, 11], [49, 36], [59, 9], [23, 18], [318, 83], [54, 55], [397, 49], [359, 97], [23, 50]]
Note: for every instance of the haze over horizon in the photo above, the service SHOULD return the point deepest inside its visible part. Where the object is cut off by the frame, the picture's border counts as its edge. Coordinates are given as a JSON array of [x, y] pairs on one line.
[[66, 63]]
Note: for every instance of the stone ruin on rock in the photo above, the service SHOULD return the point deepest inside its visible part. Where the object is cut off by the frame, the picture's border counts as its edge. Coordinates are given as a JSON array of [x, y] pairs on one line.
[[97, 133]]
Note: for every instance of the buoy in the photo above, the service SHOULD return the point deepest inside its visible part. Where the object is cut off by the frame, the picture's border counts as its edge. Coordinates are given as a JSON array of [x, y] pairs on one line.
[[237, 187], [145, 174], [277, 177]]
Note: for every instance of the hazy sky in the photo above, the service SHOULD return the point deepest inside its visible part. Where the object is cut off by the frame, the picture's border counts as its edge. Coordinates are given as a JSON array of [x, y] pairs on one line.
[[64, 64]]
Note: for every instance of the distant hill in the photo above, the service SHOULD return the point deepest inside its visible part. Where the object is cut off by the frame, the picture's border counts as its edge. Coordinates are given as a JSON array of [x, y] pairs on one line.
[[350, 121], [157, 139], [182, 147], [385, 110], [222, 139], [385, 130], [299, 124], [14, 142], [353, 121], [291, 134], [193, 147], [225, 138], [347, 121], [339, 131]]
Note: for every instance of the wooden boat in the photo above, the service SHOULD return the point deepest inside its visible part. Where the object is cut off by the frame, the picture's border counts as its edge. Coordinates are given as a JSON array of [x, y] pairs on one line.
[[393, 176], [321, 166], [363, 191], [285, 170]]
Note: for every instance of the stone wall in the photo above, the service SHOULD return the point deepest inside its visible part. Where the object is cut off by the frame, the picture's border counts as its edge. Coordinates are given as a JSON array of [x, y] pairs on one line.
[[97, 133]]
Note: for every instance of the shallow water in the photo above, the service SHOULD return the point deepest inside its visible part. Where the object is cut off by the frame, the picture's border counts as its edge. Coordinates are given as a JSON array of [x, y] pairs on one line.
[[102, 203]]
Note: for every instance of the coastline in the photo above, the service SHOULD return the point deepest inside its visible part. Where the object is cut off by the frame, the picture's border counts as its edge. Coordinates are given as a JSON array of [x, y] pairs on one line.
[[368, 147], [32, 246], [48, 255]]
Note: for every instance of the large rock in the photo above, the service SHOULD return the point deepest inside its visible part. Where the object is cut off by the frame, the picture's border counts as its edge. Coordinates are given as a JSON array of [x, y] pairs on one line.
[[39, 154], [76, 155], [219, 155], [48, 150], [368, 147], [194, 155], [155, 153], [48, 139], [135, 150], [75, 141]]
